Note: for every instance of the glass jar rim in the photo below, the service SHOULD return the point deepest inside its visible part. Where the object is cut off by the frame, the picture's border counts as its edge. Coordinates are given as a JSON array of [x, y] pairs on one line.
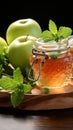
[[40, 45], [70, 41]]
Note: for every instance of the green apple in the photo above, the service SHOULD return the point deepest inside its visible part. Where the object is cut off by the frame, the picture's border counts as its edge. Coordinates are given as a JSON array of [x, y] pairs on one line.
[[3, 44], [19, 51], [23, 27]]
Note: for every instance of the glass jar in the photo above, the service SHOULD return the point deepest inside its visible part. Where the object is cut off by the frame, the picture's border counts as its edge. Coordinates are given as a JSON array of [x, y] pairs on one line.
[[71, 50], [51, 63]]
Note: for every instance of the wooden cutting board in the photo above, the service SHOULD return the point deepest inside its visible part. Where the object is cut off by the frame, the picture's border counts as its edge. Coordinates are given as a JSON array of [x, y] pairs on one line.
[[58, 98]]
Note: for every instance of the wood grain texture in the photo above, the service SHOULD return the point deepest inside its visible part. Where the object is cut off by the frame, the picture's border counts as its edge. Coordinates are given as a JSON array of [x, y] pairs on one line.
[[58, 98]]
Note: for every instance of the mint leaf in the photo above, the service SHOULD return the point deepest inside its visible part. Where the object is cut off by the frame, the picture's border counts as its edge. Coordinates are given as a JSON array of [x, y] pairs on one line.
[[17, 96], [27, 88], [54, 55], [46, 90], [47, 36], [8, 83], [64, 32], [52, 27], [17, 75]]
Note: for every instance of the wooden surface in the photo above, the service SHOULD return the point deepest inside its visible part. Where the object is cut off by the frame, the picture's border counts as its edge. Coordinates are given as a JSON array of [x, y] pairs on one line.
[[58, 98], [31, 114], [11, 119]]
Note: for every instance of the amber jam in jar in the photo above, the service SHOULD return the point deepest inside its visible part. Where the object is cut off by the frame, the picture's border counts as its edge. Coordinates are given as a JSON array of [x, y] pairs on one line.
[[51, 63]]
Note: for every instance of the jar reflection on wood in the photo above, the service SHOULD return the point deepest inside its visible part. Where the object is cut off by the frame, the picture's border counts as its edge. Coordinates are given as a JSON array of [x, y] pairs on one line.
[[51, 63]]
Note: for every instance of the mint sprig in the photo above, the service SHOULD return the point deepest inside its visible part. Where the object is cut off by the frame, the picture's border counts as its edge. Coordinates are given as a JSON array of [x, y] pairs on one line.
[[16, 85], [55, 33]]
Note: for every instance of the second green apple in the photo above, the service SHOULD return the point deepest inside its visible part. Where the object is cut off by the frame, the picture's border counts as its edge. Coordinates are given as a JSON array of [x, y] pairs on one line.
[[19, 51]]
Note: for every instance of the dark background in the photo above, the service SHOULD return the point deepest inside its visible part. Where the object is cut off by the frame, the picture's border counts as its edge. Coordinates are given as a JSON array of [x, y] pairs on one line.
[[60, 11]]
